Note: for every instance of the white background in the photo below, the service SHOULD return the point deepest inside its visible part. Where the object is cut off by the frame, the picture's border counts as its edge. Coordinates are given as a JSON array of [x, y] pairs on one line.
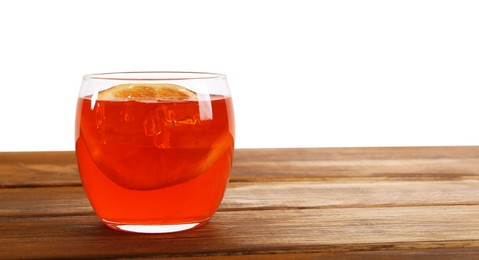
[[302, 73]]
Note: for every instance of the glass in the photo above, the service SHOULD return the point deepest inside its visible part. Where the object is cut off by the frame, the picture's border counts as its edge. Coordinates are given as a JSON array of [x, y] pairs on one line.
[[154, 149]]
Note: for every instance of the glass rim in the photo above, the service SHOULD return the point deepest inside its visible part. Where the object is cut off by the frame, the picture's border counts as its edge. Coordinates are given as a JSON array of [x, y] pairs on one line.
[[153, 75]]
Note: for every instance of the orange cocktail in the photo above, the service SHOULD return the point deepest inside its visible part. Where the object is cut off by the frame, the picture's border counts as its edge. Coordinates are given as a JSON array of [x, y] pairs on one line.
[[154, 157]]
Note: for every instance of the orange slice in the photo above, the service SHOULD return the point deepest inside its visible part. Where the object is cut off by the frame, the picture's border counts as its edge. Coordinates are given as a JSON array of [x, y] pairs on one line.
[[148, 92]]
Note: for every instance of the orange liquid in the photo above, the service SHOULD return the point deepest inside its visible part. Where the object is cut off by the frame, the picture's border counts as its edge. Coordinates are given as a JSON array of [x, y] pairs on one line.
[[155, 162]]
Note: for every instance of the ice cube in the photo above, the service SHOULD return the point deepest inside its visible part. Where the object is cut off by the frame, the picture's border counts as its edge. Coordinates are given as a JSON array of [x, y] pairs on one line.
[[154, 122]]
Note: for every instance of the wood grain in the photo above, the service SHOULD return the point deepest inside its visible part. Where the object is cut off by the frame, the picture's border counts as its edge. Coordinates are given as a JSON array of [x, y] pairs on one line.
[[257, 232], [58, 201], [327, 203], [38, 169], [43, 169]]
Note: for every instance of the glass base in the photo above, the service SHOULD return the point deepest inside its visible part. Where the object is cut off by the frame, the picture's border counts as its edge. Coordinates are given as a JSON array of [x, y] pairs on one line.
[[153, 228]]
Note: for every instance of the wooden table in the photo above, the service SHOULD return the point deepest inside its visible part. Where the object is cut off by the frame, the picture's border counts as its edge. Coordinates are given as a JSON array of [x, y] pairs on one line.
[[348, 203]]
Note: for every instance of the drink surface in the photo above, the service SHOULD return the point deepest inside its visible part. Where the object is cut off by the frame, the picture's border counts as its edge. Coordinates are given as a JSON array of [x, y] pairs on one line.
[[146, 161]]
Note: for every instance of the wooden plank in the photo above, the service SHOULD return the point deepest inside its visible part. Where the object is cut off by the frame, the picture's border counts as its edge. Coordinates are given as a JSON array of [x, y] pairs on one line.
[[365, 169], [426, 254], [250, 233], [42, 169], [357, 163], [54, 157], [51, 201], [354, 153], [416, 254], [283, 195], [37, 169], [47, 201]]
